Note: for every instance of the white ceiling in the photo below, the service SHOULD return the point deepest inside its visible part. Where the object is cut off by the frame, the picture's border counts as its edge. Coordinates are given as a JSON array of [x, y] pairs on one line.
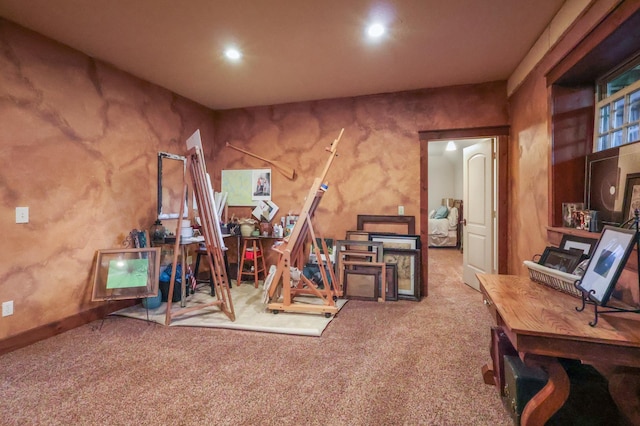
[[294, 50]]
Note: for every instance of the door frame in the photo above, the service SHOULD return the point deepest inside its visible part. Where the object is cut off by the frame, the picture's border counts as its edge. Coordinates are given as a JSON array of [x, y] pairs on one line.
[[501, 134]]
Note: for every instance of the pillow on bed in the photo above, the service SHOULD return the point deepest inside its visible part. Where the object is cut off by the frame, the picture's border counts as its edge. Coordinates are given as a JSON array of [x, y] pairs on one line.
[[441, 213], [453, 217], [432, 214]]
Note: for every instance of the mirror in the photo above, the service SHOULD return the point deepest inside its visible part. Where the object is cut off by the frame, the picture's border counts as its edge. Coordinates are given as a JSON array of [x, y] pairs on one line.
[[171, 174]]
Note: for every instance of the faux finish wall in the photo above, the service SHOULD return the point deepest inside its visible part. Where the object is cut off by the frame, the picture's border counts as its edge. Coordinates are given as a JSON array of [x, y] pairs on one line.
[[79, 143], [378, 167]]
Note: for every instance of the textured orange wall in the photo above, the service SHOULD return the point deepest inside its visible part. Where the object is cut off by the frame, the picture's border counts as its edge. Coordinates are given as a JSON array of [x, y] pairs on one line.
[[78, 142], [528, 168], [378, 167]]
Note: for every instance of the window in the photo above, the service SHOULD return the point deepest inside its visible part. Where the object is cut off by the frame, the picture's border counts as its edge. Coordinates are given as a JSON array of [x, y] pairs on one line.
[[618, 108]]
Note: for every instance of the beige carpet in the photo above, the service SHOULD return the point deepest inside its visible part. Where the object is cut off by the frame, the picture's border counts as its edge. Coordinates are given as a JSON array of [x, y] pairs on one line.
[[251, 313]]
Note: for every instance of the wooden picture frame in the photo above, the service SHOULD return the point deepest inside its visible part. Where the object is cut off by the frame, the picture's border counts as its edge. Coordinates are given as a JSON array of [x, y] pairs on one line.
[[357, 236], [606, 264], [392, 282], [398, 241], [126, 274], [362, 283], [408, 271], [408, 221], [560, 259], [631, 199]]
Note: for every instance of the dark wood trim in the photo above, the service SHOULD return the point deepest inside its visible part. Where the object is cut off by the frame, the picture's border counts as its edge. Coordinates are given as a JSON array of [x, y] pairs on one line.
[[503, 202], [57, 327], [478, 132], [610, 42], [424, 217]]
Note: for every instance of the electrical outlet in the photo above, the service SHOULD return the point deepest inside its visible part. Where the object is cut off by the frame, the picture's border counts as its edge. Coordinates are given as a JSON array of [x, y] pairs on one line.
[[22, 214], [7, 308], [400, 210]]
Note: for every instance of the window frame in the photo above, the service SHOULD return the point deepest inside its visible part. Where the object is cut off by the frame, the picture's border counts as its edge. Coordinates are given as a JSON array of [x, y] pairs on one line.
[[610, 102]]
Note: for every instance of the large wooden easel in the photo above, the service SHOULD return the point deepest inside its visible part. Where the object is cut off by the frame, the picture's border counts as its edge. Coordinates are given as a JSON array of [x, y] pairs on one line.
[[291, 254], [210, 221]]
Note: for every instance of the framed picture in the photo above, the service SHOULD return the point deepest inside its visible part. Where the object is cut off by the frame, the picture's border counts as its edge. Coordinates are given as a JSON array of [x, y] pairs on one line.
[[399, 241], [391, 279], [126, 274], [357, 236], [384, 223], [581, 243], [362, 284], [631, 196], [607, 262], [392, 282], [261, 189], [408, 269], [560, 259]]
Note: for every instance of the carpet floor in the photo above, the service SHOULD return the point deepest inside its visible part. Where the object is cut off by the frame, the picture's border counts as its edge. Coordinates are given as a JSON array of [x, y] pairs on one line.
[[393, 363], [251, 313]]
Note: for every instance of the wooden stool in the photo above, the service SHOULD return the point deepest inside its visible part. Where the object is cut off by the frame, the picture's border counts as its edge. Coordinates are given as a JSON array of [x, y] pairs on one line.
[[203, 252], [252, 251]]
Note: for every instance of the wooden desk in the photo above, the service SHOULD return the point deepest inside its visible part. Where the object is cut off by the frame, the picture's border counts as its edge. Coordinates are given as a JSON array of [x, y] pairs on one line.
[[543, 325]]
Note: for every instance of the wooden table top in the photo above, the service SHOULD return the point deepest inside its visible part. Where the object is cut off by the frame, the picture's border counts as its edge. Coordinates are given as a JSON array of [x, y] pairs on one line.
[[544, 321]]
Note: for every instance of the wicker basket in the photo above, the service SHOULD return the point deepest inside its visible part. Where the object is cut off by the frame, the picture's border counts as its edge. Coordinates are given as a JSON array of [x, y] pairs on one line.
[[555, 279]]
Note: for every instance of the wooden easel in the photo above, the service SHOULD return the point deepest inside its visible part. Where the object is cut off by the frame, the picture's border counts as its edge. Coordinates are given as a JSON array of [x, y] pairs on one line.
[[210, 221], [292, 254]]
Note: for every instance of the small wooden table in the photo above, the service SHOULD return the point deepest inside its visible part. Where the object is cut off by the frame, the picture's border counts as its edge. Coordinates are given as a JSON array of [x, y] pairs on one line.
[[543, 325]]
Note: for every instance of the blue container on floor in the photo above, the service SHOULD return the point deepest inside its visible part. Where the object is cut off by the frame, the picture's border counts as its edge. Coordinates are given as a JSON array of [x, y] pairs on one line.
[[152, 302]]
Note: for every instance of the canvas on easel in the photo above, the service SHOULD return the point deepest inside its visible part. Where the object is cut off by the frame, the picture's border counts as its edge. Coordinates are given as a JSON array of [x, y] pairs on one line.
[[283, 290]]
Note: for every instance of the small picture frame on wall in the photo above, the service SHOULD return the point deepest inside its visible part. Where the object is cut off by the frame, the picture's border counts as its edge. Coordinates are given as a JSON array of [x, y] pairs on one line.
[[631, 197]]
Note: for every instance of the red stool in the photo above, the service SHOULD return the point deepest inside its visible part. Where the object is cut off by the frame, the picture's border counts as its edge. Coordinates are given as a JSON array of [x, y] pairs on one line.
[[252, 252]]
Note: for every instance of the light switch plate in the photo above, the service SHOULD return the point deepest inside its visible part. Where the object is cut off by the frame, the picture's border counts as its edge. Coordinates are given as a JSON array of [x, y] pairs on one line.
[[400, 210], [22, 214], [7, 308]]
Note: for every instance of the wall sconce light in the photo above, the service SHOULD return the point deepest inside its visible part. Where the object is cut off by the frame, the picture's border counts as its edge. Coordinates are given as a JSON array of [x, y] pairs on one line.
[[451, 146]]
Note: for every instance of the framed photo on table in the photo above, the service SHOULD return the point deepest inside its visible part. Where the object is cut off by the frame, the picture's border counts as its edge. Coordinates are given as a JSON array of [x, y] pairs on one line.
[[606, 264], [582, 243], [560, 259]]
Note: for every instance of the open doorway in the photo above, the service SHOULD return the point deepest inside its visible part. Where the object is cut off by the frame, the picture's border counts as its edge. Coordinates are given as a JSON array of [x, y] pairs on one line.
[[498, 159], [449, 197]]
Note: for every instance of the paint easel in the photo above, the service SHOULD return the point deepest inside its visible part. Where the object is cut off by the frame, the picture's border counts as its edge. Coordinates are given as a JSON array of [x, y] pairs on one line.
[[291, 254], [210, 221]]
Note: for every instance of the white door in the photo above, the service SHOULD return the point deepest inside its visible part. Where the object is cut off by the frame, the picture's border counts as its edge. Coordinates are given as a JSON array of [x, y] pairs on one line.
[[477, 233]]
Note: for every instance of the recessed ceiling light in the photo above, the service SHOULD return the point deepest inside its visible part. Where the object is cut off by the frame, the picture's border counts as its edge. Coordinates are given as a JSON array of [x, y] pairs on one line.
[[233, 54], [375, 30]]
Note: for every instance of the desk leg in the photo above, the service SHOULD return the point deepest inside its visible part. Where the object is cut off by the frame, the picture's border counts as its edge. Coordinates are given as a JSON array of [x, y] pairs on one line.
[[624, 387], [552, 396]]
